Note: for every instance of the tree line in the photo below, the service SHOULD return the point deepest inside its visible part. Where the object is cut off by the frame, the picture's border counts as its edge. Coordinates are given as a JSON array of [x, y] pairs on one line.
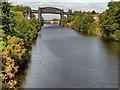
[[17, 36], [19, 8], [108, 24], [110, 21]]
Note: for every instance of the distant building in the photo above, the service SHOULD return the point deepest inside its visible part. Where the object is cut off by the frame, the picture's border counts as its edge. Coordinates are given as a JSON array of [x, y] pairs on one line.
[[96, 16]]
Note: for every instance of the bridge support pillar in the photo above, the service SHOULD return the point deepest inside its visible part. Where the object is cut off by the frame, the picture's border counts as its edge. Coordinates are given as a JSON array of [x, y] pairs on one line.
[[26, 14], [61, 16], [39, 15], [29, 14], [68, 14]]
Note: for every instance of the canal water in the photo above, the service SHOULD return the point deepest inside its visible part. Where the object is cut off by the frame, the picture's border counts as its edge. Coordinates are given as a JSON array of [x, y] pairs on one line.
[[64, 58]]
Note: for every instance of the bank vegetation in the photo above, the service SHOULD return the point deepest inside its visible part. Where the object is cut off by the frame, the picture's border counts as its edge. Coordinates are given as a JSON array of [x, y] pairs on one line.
[[107, 25], [17, 36]]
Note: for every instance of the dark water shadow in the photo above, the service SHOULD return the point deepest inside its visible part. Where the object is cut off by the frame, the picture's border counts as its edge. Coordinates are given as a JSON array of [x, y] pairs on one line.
[[20, 76], [22, 73]]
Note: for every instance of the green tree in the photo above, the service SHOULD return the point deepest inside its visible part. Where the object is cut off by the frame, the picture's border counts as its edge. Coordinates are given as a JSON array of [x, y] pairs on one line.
[[8, 22], [20, 8], [70, 11], [93, 12], [55, 20], [110, 21], [77, 13], [17, 36]]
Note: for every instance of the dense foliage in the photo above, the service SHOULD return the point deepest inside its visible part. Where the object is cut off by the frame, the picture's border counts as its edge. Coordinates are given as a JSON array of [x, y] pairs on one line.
[[18, 34], [80, 21], [55, 19], [20, 8], [110, 21], [70, 11], [108, 24], [83, 22], [93, 12]]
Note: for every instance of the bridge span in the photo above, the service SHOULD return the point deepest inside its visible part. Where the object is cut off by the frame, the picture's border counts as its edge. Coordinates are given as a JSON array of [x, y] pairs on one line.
[[51, 10]]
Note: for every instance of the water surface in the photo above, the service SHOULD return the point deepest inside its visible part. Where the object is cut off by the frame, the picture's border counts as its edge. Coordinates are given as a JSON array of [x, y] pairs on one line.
[[64, 58]]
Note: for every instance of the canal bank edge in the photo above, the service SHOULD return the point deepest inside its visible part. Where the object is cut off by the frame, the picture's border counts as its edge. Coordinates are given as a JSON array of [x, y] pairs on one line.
[[106, 25], [18, 34]]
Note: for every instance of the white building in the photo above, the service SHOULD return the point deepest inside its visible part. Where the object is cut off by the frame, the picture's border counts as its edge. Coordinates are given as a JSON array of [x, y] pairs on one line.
[[96, 16]]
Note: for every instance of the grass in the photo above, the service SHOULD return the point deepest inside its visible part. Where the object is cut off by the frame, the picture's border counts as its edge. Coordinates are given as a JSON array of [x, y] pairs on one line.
[[94, 29]]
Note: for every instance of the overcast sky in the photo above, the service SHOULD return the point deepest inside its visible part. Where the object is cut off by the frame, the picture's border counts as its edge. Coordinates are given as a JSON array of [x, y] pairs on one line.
[[83, 5]]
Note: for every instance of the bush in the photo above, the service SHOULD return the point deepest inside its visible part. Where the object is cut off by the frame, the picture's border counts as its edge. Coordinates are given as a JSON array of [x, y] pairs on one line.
[[17, 36], [110, 21], [83, 22]]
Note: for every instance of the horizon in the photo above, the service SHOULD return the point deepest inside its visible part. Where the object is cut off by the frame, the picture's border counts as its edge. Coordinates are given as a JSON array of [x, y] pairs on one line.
[[75, 5]]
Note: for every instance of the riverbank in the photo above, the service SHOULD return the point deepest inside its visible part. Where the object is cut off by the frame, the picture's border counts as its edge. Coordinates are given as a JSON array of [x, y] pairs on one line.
[[18, 34], [94, 30], [105, 24]]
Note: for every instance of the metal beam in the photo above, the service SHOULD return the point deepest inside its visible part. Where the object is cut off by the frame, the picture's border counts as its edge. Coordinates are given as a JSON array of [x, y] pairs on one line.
[[51, 10], [65, 13], [34, 11], [39, 15]]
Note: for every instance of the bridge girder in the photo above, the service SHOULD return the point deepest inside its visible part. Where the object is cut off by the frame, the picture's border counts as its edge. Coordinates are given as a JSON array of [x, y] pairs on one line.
[[51, 10]]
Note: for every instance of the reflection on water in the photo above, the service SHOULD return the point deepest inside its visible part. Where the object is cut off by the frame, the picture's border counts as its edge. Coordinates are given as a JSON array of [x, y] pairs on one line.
[[63, 58]]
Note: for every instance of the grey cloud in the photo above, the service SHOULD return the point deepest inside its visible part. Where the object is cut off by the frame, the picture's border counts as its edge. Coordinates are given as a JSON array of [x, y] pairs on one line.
[[18, 3], [99, 7]]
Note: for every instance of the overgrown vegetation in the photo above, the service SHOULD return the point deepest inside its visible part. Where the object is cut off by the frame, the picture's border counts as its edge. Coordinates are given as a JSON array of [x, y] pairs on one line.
[[55, 19], [81, 21], [17, 36], [110, 21], [108, 24], [20, 8]]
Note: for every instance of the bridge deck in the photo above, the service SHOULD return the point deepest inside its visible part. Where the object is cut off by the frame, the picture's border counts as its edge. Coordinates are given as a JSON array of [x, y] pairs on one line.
[[36, 11]]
